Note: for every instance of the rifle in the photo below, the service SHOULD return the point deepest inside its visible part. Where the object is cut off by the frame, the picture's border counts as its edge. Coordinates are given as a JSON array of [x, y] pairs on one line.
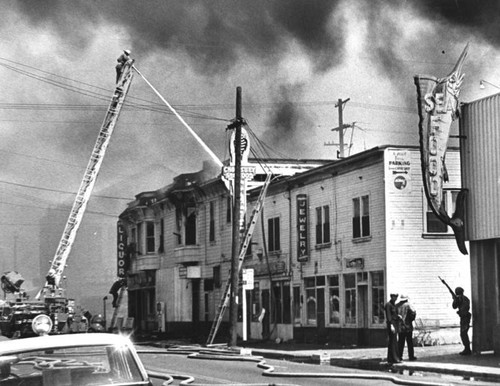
[[449, 288]]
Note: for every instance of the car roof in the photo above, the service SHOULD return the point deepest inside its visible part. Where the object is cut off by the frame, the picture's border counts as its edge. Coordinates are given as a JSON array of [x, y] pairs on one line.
[[59, 341]]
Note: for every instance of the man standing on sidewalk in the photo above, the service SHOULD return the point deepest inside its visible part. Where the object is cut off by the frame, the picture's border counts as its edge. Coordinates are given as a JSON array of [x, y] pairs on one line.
[[392, 319], [408, 314], [462, 304]]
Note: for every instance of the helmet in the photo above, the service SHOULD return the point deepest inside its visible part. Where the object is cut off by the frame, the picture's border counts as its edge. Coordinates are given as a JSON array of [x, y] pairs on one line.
[[128, 52], [459, 291]]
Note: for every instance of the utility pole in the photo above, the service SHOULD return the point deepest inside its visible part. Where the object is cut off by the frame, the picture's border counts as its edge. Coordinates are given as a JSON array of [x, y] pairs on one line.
[[233, 306], [341, 127], [15, 251]]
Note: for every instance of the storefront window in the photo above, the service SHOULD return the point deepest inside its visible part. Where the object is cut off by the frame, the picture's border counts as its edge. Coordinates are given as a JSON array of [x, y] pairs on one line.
[[256, 307], [350, 298], [334, 299], [378, 297], [282, 311], [296, 304], [310, 285]]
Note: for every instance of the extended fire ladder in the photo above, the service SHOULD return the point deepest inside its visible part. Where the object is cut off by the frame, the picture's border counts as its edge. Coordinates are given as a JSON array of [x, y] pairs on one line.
[[84, 192], [121, 293], [224, 302]]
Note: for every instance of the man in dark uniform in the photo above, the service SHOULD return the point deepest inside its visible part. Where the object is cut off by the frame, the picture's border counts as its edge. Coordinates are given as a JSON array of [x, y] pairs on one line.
[[392, 319], [122, 59], [462, 304], [405, 333]]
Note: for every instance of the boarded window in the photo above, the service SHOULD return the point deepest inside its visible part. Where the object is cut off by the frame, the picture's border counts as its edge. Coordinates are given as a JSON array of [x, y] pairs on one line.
[[274, 234], [150, 237], [212, 222]]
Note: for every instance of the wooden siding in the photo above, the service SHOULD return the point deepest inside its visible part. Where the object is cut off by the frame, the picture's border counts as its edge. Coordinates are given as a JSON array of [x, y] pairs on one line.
[[414, 262], [396, 244]]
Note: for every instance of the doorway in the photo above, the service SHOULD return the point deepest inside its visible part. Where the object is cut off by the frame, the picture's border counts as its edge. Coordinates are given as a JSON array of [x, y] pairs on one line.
[[195, 316], [363, 314], [266, 330]]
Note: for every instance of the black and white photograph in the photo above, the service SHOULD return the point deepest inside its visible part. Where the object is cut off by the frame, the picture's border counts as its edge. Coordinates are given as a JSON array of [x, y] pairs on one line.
[[264, 192]]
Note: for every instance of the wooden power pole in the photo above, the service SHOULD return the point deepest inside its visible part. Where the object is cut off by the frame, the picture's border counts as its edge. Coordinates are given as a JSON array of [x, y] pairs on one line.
[[341, 127], [233, 306]]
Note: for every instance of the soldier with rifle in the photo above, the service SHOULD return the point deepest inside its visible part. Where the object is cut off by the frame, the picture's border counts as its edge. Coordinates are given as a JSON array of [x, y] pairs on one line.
[[462, 304]]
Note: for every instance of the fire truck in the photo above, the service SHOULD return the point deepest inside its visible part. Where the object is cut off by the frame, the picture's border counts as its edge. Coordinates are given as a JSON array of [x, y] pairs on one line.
[[16, 315]]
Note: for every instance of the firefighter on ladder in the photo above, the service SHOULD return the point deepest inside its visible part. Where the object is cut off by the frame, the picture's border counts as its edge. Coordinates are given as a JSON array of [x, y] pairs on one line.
[[122, 59]]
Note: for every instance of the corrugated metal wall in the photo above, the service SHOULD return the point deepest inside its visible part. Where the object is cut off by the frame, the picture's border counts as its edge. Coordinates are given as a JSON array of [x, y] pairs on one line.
[[480, 124]]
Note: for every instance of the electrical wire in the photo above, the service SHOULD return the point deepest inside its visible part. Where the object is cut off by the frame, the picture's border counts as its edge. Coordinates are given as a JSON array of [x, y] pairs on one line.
[[57, 209], [63, 191], [151, 106]]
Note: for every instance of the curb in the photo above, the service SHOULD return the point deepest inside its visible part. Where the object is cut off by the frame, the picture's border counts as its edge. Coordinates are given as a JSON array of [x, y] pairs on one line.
[[376, 364]]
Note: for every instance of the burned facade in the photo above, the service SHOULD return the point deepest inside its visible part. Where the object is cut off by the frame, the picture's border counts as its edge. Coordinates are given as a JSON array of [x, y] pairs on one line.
[[330, 244]]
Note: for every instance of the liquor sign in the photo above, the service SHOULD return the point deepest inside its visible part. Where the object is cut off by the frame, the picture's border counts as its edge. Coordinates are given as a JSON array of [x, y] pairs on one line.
[[302, 232], [121, 258]]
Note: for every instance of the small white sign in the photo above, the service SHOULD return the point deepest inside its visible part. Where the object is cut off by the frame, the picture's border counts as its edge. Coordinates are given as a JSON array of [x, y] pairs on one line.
[[248, 278]]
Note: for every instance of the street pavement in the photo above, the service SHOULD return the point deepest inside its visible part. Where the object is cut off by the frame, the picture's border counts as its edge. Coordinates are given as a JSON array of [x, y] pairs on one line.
[[439, 359]]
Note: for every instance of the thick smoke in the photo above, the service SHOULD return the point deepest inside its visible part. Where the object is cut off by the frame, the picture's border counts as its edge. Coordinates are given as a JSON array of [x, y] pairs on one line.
[[480, 17], [289, 124], [212, 33]]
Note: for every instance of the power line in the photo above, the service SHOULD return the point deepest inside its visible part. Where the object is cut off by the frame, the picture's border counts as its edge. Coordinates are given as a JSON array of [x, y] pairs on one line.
[[63, 191], [156, 107], [152, 106], [57, 209]]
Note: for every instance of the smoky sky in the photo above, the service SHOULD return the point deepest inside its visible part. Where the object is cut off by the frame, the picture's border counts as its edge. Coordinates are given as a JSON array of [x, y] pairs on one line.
[[215, 35], [289, 124], [212, 33]]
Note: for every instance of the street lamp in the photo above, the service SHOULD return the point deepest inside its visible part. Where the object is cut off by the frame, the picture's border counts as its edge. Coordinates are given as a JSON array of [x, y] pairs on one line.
[[482, 84]]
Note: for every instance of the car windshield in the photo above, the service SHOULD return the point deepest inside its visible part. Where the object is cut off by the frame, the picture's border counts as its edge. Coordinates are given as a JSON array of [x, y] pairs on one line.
[[95, 365]]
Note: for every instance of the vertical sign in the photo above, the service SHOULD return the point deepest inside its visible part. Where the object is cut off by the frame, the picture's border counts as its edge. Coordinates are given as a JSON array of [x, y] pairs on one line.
[[121, 259], [302, 233], [247, 172]]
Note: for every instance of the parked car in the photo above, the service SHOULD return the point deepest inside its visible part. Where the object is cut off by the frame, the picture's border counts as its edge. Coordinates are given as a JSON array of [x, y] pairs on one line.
[[79, 359]]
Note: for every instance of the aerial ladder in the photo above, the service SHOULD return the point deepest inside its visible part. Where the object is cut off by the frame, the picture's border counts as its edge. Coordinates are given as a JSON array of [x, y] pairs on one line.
[[51, 287], [224, 302]]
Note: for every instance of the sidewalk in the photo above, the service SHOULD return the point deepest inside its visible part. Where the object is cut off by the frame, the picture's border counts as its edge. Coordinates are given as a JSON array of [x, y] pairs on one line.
[[443, 359]]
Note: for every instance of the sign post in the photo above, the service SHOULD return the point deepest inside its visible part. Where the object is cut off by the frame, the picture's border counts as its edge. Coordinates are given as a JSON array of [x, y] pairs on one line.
[[247, 285]]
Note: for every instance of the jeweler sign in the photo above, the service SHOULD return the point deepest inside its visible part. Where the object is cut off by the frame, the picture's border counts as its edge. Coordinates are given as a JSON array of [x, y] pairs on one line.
[[302, 234]]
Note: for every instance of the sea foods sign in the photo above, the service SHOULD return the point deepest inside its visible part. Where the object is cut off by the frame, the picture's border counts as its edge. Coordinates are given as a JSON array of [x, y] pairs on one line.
[[302, 233], [438, 106]]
